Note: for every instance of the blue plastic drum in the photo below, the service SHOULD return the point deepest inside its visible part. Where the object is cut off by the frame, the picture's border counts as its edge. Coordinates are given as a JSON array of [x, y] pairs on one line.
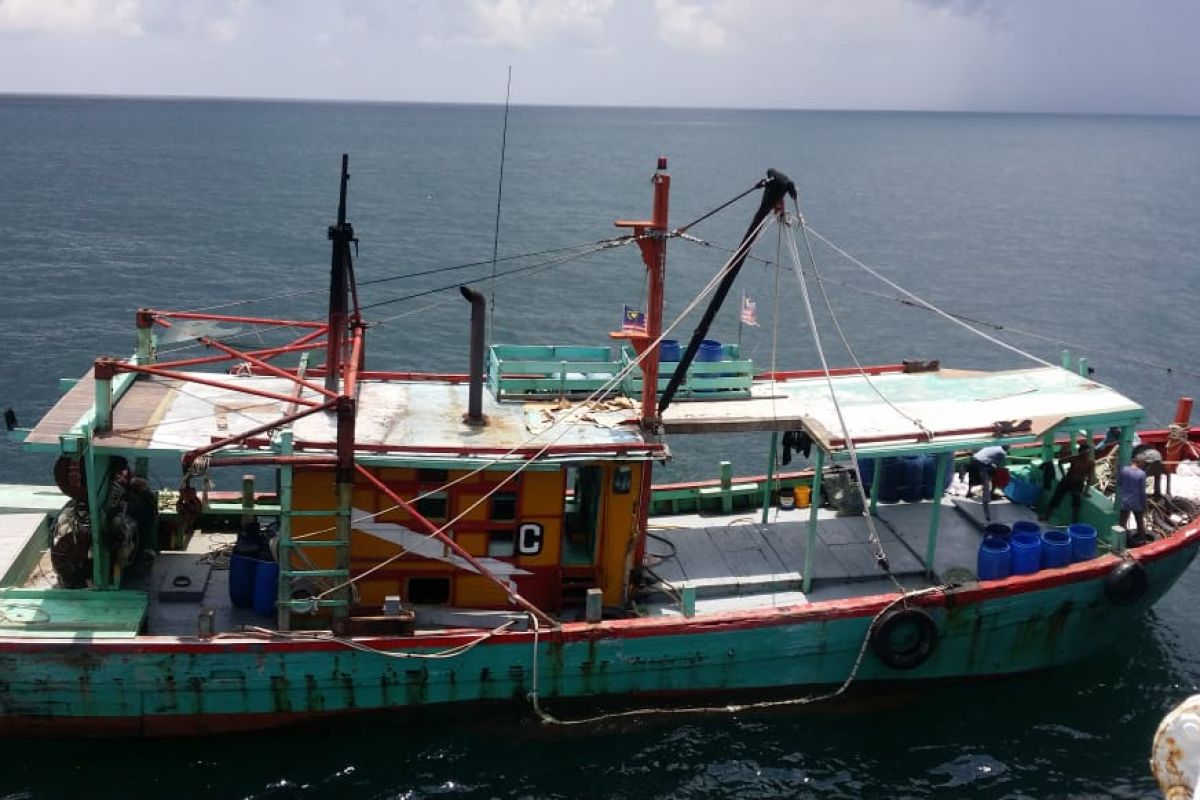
[[1026, 552], [668, 350], [1083, 542], [241, 580], [266, 587], [710, 350], [1056, 549], [995, 559]]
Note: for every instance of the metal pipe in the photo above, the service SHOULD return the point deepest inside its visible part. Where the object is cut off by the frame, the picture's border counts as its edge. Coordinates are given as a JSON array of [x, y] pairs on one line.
[[478, 303]]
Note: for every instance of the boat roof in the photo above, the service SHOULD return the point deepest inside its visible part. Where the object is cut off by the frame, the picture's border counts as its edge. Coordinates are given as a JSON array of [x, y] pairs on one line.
[[911, 412], [406, 419]]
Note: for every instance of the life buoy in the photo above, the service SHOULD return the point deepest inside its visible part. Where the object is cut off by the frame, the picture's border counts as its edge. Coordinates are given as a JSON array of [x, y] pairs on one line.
[[904, 638], [1127, 583]]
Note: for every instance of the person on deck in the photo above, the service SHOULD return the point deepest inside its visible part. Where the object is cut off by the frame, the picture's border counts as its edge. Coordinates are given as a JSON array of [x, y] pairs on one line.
[[1078, 477], [1151, 461], [981, 468], [1131, 492]]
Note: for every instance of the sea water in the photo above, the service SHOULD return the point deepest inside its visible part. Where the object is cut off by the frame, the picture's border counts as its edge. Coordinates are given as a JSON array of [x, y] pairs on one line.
[[1054, 231]]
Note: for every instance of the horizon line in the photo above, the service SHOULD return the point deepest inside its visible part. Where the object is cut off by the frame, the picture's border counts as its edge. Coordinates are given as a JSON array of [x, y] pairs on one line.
[[599, 106]]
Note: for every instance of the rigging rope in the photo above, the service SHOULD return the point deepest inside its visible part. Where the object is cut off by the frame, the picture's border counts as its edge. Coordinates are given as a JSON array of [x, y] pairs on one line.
[[872, 534]]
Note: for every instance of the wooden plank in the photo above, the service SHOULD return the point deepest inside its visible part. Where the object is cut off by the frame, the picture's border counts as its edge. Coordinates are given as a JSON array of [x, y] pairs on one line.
[[47, 613], [66, 412], [745, 551]]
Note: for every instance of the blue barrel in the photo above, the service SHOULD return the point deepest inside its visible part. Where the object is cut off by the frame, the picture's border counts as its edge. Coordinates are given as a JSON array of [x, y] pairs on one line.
[[1027, 526], [710, 350], [995, 559], [1083, 542], [266, 587], [866, 472], [913, 476], [668, 350], [890, 480], [1026, 552], [1056, 549], [997, 529], [241, 580]]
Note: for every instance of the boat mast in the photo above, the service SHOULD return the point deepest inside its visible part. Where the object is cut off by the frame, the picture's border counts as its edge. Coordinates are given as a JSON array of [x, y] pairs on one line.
[[651, 237], [340, 266], [775, 186]]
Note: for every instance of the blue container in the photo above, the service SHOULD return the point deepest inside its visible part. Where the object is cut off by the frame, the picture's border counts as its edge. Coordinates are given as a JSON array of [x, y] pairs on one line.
[[1083, 542], [266, 587], [241, 580], [1056, 549], [912, 478], [997, 529], [890, 480], [1026, 552], [1023, 492], [866, 472], [929, 488], [1027, 526], [995, 559], [668, 350], [710, 350]]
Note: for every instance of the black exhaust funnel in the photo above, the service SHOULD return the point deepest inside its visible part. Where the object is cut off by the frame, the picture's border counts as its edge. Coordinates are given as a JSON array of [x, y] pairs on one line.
[[478, 303]]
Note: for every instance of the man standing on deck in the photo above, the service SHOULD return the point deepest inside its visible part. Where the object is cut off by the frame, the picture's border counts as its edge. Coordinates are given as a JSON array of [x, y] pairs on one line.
[[1131, 492], [981, 468], [1079, 475]]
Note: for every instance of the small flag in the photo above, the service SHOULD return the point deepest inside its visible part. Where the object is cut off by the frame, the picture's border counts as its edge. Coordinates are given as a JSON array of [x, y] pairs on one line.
[[633, 321], [749, 311]]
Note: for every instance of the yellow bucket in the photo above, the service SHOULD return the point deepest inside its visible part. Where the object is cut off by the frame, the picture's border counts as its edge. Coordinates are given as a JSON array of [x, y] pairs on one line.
[[803, 496]]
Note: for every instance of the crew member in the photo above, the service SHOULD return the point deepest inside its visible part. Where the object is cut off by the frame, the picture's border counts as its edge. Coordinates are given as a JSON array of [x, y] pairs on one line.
[[981, 468], [1131, 492], [1078, 477]]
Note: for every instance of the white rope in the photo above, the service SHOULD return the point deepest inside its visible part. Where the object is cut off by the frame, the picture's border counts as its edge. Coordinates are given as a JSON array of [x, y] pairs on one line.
[[872, 534], [925, 303], [451, 652], [603, 390], [550, 719]]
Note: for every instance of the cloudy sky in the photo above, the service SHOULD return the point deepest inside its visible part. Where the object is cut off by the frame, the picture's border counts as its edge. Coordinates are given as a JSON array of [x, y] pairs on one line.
[[1137, 56]]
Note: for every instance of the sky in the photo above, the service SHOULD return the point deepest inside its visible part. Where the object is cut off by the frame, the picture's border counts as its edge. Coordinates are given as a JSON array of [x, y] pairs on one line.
[[1101, 56]]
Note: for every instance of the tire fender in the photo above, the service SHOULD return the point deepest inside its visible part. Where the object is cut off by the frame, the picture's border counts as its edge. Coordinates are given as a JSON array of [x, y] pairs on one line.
[[904, 638], [1127, 583]]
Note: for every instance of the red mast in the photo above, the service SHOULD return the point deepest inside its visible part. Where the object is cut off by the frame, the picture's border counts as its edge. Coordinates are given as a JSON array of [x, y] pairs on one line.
[[652, 239]]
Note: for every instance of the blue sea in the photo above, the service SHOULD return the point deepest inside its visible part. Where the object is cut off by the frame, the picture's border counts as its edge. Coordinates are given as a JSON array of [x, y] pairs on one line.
[[1076, 232]]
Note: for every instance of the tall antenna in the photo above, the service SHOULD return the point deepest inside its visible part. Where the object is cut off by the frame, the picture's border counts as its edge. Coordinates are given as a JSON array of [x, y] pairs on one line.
[[499, 197]]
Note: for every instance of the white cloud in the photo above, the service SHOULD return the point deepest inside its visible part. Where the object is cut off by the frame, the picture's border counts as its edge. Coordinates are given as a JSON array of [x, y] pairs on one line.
[[70, 16], [523, 24], [212, 21], [688, 26]]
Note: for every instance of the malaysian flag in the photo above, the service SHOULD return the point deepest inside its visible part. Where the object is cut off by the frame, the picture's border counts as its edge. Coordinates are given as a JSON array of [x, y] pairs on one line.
[[633, 321], [749, 311]]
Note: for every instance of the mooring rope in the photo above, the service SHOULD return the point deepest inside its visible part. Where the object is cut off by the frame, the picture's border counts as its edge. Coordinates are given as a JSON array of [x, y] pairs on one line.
[[732, 708]]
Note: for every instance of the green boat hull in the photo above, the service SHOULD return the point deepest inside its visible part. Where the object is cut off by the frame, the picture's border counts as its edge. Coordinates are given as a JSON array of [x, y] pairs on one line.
[[167, 685]]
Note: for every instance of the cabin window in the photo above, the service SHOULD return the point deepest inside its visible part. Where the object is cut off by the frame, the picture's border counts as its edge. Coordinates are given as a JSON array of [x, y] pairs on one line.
[[429, 591], [433, 506], [438, 476], [504, 506], [502, 544], [622, 480]]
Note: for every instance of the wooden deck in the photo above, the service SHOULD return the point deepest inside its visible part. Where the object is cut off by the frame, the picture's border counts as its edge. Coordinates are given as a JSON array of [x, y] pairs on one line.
[[736, 562]]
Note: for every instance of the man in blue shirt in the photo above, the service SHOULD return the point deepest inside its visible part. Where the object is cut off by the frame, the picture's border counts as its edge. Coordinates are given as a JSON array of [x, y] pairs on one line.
[[1131, 493], [981, 468]]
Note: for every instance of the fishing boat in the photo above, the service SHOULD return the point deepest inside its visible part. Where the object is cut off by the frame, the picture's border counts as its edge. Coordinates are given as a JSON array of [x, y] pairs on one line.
[[405, 540]]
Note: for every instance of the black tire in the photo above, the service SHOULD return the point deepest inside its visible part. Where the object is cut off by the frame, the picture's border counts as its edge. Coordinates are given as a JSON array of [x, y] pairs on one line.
[[1127, 583], [904, 638]]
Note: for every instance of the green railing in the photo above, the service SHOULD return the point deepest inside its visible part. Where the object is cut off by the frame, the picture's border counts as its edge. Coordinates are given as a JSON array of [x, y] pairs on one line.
[[726, 379], [537, 371]]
